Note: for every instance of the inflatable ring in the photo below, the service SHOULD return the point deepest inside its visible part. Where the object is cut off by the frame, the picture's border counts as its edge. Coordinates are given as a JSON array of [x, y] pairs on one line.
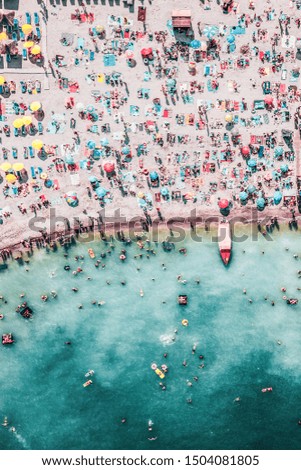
[[1, 316], [185, 322], [164, 367], [122, 257], [154, 366], [284, 297], [145, 171], [283, 289]]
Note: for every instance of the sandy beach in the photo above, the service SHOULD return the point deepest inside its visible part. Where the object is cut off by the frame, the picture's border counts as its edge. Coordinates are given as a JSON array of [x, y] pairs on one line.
[[199, 121]]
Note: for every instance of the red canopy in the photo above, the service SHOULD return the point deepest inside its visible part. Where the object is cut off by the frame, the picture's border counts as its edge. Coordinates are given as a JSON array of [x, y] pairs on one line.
[[109, 167], [181, 18], [223, 203], [245, 150], [146, 51]]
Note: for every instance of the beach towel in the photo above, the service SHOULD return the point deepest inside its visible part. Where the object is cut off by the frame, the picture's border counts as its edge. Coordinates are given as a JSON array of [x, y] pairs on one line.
[[170, 27], [146, 76], [134, 110], [56, 184], [80, 43], [109, 60]]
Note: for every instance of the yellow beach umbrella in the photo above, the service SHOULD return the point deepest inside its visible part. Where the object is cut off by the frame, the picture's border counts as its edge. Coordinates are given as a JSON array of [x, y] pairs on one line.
[[37, 144], [2, 80], [35, 105], [18, 166], [10, 178], [27, 120], [28, 44], [100, 77], [18, 123], [99, 28], [3, 36], [228, 118], [5, 166], [140, 195], [26, 28], [35, 50]]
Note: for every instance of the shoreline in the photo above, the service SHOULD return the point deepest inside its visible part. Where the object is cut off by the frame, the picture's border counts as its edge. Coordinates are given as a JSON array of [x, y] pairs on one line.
[[88, 233]]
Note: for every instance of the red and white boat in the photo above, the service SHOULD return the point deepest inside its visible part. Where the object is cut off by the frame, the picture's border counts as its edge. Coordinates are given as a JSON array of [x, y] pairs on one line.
[[224, 241]]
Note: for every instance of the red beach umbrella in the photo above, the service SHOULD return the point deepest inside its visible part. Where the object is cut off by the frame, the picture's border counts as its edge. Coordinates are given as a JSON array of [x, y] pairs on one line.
[[268, 99], [109, 167], [245, 150], [146, 51], [223, 203]]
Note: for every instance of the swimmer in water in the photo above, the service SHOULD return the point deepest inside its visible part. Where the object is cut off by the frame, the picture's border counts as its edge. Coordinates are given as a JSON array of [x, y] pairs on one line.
[[22, 295], [123, 283], [75, 289], [184, 363], [244, 291], [250, 300], [193, 348]]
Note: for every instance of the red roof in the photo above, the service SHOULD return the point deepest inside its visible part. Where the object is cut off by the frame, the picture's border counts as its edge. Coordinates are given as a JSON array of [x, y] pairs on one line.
[[181, 18]]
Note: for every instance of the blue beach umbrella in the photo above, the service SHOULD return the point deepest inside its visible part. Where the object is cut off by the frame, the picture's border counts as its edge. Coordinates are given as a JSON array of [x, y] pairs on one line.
[[277, 197], [93, 179], [91, 144], [101, 192], [48, 183], [243, 196], [231, 38], [251, 189], [171, 82], [260, 203], [252, 163], [210, 31], [195, 44], [284, 168], [164, 191], [97, 153], [153, 175], [278, 152], [125, 150], [69, 160]]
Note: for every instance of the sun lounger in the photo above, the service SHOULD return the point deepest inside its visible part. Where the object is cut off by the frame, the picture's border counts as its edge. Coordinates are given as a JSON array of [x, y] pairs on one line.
[[27, 18], [33, 172], [36, 19], [38, 33]]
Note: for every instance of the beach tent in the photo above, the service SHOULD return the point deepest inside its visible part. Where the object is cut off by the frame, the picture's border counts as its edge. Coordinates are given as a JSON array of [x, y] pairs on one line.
[[277, 197], [181, 18]]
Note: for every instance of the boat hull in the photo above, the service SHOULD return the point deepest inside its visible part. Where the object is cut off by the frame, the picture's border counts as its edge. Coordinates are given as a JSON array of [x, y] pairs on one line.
[[224, 242]]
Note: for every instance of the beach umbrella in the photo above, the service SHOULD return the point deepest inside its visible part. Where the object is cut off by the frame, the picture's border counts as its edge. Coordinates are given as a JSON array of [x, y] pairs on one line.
[[223, 203], [129, 54], [37, 144], [140, 195], [251, 189], [284, 168], [277, 197], [69, 160], [260, 203], [3, 36], [10, 178], [93, 179], [27, 120], [243, 196], [91, 144], [229, 118], [5, 166], [268, 99], [278, 152], [28, 44], [195, 44], [99, 28], [210, 31], [26, 28], [146, 51], [100, 78], [171, 82], [153, 175], [18, 123], [35, 50], [101, 192], [80, 106], [245, 150], [164, 191], [48, 183], [252, 163], [104, 141], [71, 198], [109, 167], [2, 80], [35, 106], [18, 166], [231, 39], [125, 150]]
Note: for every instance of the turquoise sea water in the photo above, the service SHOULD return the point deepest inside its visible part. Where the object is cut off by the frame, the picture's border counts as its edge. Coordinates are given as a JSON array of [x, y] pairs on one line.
[[41, 377]]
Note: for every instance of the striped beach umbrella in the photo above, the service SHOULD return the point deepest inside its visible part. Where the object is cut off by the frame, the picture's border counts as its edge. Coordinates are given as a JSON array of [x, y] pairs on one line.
[[210, 31]]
